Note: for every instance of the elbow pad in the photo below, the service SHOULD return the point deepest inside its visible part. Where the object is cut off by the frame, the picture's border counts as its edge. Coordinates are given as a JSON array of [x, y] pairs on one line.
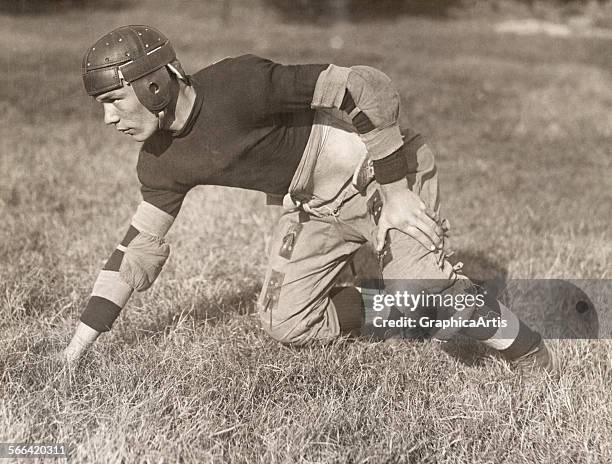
[[143, 260], [374, 95], [371, 101], [377, 101]]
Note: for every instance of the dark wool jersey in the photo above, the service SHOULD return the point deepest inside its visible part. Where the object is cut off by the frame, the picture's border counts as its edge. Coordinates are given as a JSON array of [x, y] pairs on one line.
[[248, 128]]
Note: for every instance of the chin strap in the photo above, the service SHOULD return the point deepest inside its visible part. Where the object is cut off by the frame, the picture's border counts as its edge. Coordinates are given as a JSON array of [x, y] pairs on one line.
[[167, 115]]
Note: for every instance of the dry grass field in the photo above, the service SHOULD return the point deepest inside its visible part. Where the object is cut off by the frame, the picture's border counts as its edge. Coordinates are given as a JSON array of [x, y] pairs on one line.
[[522, 126]]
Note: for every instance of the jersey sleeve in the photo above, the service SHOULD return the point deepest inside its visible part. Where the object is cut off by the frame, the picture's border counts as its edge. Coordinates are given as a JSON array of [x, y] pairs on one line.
[[268, 88], [365, 93], [147, 252]]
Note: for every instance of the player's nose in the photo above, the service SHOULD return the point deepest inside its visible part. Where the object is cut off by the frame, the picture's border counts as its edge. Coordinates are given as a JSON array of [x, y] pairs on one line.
[[110, 115]]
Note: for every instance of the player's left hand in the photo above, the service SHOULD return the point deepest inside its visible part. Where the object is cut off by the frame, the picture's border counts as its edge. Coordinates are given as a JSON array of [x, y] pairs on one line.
[[69, 356], [405, 211]]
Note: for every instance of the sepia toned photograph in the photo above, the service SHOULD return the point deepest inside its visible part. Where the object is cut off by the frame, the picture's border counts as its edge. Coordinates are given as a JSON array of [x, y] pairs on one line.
[[306, 231]]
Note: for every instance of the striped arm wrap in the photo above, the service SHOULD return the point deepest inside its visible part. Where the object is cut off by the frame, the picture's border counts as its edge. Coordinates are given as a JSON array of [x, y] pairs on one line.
[[110, 291], [152, 220], [109, 285]]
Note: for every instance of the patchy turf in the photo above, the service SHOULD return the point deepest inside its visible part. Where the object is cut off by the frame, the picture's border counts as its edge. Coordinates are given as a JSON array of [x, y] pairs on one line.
[[522, 127]]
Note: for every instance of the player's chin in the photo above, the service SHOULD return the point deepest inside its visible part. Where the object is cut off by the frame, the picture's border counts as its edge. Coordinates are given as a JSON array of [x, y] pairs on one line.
[[139, 136]]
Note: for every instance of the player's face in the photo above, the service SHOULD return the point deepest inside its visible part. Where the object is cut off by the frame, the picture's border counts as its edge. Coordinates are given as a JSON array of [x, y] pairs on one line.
[[123, 109]]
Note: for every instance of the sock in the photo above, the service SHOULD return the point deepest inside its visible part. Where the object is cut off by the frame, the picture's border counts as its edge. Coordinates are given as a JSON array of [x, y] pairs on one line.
[[359, 315], [349, 309], [356, 311], [512, 341]]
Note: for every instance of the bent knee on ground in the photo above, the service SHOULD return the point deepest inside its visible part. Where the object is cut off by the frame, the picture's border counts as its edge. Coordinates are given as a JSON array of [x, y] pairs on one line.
[[283, 334], [295, 331]]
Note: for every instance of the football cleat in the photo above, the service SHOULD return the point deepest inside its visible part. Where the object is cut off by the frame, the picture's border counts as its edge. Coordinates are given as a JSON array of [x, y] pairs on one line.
[[539, 358]]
